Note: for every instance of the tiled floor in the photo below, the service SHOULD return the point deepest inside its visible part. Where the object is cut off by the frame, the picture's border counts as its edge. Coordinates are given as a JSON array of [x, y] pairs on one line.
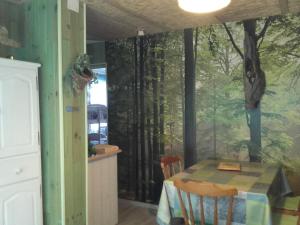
[[134, 213]]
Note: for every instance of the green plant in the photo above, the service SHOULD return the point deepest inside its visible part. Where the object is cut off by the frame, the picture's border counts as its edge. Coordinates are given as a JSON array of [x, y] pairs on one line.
[[82, 66], [91, 150], [82, 74]]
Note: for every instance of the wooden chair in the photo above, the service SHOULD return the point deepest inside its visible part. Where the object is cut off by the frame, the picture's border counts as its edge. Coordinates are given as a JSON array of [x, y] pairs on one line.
[[171, 165], [204, 189], [287, 211]]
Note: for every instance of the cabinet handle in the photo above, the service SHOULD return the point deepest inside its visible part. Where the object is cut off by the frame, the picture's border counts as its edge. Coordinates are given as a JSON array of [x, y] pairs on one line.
[[19, 171]]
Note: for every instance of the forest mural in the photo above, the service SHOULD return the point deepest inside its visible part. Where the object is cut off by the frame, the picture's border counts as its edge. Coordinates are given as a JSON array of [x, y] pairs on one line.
[[246, 93]]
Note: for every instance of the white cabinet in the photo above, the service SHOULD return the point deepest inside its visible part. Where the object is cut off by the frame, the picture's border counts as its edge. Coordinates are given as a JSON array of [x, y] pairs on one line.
[[20, 157], [20, 203]]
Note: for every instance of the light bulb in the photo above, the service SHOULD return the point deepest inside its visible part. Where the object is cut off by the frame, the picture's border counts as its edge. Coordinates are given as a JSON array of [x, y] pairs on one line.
[[203, 6]]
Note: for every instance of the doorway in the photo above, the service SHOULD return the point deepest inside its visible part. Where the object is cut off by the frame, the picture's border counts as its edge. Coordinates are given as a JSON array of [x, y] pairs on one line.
[[97, 107]]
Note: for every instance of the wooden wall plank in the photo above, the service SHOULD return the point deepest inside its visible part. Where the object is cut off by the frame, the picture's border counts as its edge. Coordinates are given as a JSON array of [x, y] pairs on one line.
[[41, 45], [284, 6], [75, 121]]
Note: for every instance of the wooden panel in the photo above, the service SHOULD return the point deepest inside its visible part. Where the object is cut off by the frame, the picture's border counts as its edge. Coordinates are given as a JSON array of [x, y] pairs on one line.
[[102, 191], [284, 6], [119, 19], [18, 131], [294, 6], [21, 203], [74, 122], [20, 168], [40, 44]]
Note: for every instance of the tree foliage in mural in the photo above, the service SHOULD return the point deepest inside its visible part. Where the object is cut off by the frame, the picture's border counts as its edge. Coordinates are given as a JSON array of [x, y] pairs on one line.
[[146, 81]]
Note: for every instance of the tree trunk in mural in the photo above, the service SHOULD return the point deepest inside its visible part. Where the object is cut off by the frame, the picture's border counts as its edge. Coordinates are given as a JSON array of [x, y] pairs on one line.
[[149, 143], [196, 48], [162, 99], [190, 151], [129, 143], [156, 156], [155, 98], [135, 123], [254, 81], [254, 84], [149, 127], [142, 122], [214, 117], [181, 75]]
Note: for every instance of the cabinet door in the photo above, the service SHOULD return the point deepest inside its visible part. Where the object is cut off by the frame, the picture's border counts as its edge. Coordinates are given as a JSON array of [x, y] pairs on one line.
[[19, 119], [103, 191], [20, 204]]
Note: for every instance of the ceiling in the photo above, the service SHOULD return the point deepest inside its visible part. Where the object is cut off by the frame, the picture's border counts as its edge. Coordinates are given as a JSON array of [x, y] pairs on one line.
[[111, 19]]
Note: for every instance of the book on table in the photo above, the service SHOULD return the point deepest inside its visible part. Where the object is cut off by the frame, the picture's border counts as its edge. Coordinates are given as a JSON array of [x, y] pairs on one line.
[[231, 166]]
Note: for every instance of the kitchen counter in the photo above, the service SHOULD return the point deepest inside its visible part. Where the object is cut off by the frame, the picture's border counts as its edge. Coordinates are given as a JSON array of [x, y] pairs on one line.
[[103, 186], [99, 156]]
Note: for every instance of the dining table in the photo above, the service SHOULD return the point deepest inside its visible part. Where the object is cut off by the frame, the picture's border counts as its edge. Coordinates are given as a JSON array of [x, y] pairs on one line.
[[259, 185]]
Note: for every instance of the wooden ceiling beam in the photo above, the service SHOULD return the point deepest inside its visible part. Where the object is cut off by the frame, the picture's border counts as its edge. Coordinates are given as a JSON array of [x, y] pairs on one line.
[[132, 13], [218, 19], [284, 6], [122, 18]]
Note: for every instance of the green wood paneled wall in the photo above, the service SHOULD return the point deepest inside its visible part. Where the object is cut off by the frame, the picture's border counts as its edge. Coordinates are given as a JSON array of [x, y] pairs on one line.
[[74, 122], [40, 45], [54, 37]]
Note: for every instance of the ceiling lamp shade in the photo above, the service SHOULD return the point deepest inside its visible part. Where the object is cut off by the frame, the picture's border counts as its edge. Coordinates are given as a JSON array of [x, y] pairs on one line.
[[203, 6]]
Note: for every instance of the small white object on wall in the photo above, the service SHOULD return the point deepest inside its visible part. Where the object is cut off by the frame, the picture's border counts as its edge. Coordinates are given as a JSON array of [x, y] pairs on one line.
[[73, 5]]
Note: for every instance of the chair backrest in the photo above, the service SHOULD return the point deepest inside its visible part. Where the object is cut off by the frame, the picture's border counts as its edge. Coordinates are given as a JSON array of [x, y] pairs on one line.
[[204, 189], [171, 165]]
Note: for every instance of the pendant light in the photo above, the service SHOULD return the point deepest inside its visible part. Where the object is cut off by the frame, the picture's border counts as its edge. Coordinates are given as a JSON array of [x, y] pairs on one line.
[[203, 6]]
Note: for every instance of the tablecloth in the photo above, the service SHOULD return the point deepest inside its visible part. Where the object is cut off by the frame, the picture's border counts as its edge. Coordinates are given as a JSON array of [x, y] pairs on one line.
[[258, 186]]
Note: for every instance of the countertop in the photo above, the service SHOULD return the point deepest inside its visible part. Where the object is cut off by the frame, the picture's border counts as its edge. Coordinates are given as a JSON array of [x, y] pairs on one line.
[[104, 151]]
